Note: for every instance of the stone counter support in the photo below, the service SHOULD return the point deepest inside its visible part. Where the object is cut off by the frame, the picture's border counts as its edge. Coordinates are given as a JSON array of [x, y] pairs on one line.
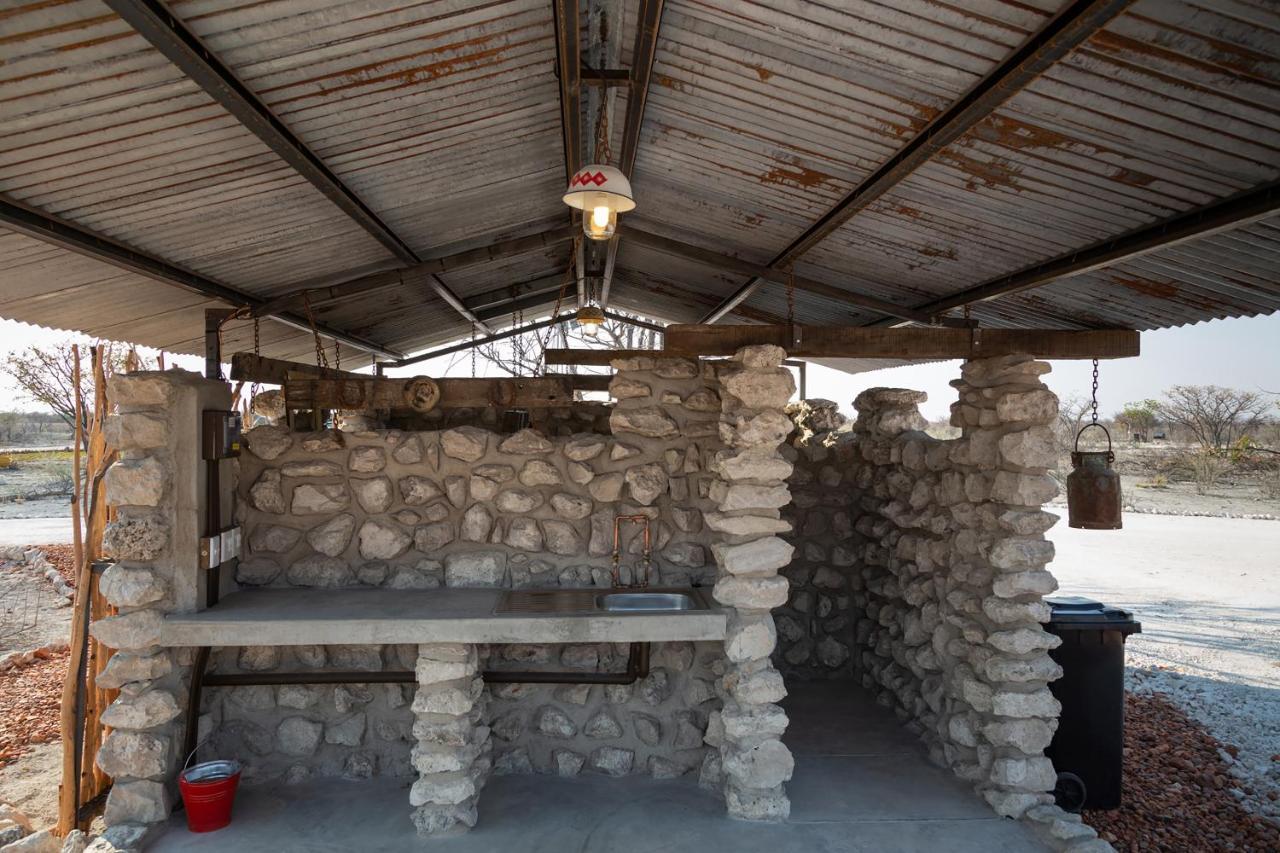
[[453, 751], [749, 493]]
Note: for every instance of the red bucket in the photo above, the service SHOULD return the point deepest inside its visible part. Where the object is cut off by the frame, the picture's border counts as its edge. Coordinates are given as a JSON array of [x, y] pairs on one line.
[[208, 792]]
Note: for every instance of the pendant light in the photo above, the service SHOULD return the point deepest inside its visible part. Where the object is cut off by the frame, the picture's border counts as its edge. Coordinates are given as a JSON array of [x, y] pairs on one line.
[[590, 318], [601, 193]]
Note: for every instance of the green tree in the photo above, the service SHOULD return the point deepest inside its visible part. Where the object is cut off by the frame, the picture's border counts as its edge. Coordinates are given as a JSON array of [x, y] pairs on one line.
[[1140, 416]]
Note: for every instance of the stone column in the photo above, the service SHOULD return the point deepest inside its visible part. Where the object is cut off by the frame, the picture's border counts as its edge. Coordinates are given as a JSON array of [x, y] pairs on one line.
[[156, 487], [453, 753], [1005, 412], [749, 493]]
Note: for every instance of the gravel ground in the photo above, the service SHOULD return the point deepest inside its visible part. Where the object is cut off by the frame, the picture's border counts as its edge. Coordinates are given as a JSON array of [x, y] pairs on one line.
[[1177, 789], [1207, 592], [29, 707]]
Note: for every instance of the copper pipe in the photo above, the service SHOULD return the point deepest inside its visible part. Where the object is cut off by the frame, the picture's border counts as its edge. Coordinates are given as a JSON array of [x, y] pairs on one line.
[[617, 550]]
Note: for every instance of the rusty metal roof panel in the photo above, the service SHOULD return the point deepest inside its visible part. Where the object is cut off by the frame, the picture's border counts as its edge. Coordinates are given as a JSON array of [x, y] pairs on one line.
[[1170, 106], [100, 128], [442, 117], [763, 115]]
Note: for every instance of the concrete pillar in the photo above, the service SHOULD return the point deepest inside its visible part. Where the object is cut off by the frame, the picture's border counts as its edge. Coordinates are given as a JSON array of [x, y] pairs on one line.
[[749, 492]]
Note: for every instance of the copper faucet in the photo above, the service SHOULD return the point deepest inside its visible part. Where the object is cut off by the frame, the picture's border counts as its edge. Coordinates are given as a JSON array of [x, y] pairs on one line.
[[639, 574]]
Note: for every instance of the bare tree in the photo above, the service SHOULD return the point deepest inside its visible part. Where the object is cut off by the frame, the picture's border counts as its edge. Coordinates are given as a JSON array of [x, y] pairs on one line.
[[521, 355], [1073, 411], [45, 374], [1216, 417]]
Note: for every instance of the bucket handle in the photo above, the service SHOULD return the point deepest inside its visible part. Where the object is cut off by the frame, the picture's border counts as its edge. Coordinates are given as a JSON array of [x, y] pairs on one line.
[[1111, 456], [191, 755]]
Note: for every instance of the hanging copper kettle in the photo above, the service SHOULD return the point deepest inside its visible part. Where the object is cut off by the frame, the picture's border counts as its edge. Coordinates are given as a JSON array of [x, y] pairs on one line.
[[1093, 488]]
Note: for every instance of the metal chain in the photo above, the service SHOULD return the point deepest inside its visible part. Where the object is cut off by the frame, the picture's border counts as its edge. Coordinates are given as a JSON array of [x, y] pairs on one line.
[[1095, 390], [473, 351], [791, 295], [337, 356], [603, 152], [257, 343], [322, 360]]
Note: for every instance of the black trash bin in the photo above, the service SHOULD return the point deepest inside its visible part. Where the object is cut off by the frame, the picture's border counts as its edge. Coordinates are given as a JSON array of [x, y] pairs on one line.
[[1088, 747]]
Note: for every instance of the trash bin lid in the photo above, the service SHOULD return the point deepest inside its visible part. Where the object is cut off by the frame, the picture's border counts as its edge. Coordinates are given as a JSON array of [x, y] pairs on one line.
[[1077, 613]]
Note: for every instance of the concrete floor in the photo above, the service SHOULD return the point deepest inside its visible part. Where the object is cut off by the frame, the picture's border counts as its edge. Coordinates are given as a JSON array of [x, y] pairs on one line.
[[861, 784]]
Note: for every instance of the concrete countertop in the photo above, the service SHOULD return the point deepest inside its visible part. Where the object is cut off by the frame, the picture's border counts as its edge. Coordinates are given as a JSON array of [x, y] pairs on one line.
[[304, 617]]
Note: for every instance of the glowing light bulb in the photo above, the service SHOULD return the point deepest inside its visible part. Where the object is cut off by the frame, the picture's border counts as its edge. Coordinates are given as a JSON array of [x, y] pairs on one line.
[[591, 330], [600, 217]]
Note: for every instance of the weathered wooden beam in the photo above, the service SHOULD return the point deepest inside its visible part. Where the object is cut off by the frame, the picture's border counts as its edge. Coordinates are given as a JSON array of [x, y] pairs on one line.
[[369, 393], [910, 343], [585, 381], [594, 357], [247, 367]]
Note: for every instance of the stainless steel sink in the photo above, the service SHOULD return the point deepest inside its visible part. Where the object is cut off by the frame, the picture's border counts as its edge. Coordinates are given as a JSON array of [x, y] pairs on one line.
[[645, 602], [585, 601]]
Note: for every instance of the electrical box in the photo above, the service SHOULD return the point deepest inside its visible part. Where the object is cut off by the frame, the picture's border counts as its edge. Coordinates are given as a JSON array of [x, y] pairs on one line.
[[220, 435]]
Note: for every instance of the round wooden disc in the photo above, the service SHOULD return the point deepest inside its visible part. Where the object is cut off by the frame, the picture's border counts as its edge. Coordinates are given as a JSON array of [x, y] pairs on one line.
[[421, 393]]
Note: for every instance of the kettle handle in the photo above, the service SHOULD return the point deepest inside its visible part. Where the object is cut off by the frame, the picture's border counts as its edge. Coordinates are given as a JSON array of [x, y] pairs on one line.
[[1111, 456]]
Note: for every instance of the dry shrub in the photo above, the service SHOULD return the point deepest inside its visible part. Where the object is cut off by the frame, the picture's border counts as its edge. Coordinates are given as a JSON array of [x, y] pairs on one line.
[[1207, 469]]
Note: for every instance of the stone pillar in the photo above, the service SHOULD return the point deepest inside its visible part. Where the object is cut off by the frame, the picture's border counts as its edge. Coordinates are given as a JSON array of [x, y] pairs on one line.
[[749, 493], [453, 753], [1005, 412], [156, 487]]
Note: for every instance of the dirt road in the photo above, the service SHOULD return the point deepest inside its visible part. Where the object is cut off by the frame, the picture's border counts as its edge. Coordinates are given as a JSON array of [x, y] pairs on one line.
[[1207, 592]]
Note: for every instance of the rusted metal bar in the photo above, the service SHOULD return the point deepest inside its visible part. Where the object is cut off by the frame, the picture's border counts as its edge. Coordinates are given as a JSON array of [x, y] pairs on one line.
[[1064, 33], [75, 238], [648, 22], [443, 263], [183, 48], [569, 70], [637, 668], [732, 264], [497, 336], [608, 77], [1232, 212]]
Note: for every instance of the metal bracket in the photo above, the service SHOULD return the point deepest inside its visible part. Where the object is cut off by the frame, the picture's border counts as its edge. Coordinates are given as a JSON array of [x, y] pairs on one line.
[[220, 548]]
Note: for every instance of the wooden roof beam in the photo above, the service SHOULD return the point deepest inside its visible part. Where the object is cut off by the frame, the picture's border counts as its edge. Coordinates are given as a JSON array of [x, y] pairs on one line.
[[1057, 38], [910, 343]]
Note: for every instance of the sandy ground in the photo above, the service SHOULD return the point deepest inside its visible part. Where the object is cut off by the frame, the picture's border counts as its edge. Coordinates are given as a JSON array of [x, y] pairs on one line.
[[46, 531], [32, 614], [1207, 592], [31, 783]]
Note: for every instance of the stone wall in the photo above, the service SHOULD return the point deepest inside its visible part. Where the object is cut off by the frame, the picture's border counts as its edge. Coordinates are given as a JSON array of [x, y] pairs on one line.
[[156, 487], [468, 507], [943, 571], [815, 626]]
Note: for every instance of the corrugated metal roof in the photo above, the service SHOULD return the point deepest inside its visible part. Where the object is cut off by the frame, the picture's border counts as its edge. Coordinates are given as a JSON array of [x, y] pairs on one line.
[[443, 117]]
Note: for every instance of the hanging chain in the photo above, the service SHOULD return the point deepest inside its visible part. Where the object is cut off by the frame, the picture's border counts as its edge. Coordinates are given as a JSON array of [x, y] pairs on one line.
[[473, 351], [791, 295], [337, 356], [603, 152], [257, 341], [1095, 390], [322, 360]]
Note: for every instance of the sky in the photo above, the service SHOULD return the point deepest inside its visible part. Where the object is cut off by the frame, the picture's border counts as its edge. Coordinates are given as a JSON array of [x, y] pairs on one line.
[[1241, 353]]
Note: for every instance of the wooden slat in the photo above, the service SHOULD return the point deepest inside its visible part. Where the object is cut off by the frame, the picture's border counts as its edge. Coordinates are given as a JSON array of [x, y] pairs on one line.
[[596, 357], [585, 381], [369, 393], [909, 343], [247, 367]]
